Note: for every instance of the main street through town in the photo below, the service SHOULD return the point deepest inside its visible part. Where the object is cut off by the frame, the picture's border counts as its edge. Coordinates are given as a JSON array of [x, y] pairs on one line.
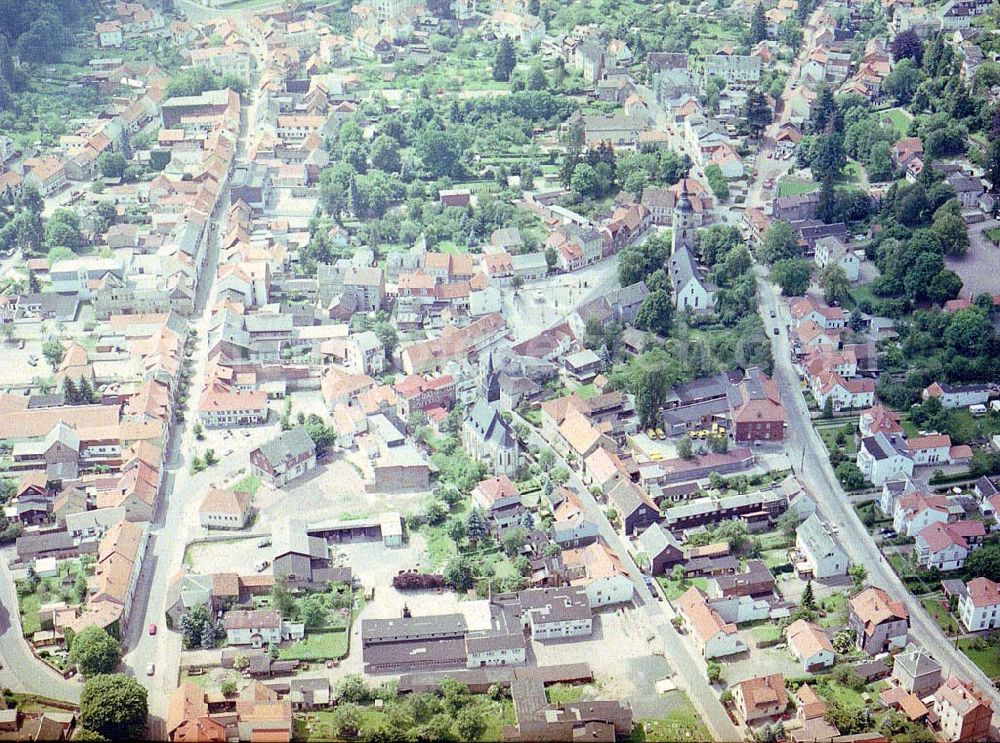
[[176, 522]]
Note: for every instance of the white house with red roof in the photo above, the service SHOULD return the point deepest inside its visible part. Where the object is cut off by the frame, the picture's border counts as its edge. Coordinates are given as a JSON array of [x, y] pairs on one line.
[[932, 449], [879, 419], [979, 605], [805, 309], [844, 393], [917, 511], [957, 395], [500, 500], [946, 546]]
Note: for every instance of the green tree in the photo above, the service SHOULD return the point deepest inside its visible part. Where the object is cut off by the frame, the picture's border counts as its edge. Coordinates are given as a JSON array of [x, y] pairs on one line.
[[475, 525], [833, 281], [808, 598], [313, 610], [94, 651], [684, 447], [902, 81], [63, 229], [514, 540], [985, 562], [112, 164], [470, 724], [952, 232], [458, 573], [717, 182], [384, 154], [656, 313], [114, 705], [792, 275], [53, 351], [438, 151], [758, 25], [757, 114], [780, 242], [504, 61]]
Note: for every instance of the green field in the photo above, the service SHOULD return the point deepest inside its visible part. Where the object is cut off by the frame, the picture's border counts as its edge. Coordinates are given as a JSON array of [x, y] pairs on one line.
[[948, 624], [317, 646], [900, 120], [673, 589], [766, 633], [828, 433], [795, 187], [683, 724], [988, 659], [249, 484]]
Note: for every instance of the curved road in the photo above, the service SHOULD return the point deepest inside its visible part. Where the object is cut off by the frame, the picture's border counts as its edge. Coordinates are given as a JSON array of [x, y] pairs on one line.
[[19, 668]]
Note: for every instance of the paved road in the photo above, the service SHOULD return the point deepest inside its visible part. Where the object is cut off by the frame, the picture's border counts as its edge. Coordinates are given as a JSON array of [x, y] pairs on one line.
[[814, 470], [19, 668], [176, 522], [689, 669]]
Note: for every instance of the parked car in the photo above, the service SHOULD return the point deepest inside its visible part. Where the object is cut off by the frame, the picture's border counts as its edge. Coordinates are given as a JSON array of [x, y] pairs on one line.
[[152, 629], [150, 669]]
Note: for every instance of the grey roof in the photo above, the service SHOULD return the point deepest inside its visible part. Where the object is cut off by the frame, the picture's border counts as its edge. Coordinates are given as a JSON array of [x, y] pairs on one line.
[[813, 532], [916, 661], [881, 447], [289, 536], [412, 628], [562, 604], [288, 445], [268, 322], [684, 268], [627, 296], [655, 540], [487, 423]]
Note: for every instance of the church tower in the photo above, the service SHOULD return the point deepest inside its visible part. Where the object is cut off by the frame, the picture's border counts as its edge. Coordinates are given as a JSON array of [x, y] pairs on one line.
[[684, 227]]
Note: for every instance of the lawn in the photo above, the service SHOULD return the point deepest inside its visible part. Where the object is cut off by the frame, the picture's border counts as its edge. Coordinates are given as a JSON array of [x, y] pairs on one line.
[[900, 120], [680, 724], [834, 692], [829, 433], [766, 634], [249, 484], [563, 694], [994, 235], [30, 621], [941, 615], [795, 187], [316, 646], [775, 558], [852, 171], [674, 588], [586, 391], [835, 606], [988, 659]]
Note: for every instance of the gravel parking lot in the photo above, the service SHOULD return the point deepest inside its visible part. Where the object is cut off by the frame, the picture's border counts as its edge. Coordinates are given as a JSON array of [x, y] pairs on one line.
[[979, 267], [622, 659]]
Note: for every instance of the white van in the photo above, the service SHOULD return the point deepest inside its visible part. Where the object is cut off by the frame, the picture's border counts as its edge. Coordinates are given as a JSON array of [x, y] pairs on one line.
[[977, 410]]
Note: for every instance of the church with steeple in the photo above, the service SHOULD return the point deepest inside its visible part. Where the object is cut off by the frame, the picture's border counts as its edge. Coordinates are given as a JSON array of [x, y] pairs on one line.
[[691, 290]]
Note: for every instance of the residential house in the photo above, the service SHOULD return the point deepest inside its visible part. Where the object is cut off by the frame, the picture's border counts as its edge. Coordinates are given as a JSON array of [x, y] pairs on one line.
[[964, 712], [822, 556], [224, 508], [916, 671], [833, 251], [880, 622], [282, 459], [713, 637], [946, 546], [979, 604], [500, 501], [881, 460], [957, 396], [809, 643], [760, 698]]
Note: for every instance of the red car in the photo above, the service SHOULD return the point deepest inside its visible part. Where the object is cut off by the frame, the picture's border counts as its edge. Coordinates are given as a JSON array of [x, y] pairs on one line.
[[152, 629]]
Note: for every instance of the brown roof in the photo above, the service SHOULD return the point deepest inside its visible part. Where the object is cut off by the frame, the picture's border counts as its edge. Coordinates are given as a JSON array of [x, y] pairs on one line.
[[225, 500], [873, 606], [764, 691]]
